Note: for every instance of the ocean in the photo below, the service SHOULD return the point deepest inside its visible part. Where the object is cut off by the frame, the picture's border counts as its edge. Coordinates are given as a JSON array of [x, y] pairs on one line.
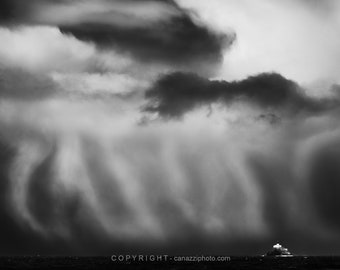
[[237, 263]]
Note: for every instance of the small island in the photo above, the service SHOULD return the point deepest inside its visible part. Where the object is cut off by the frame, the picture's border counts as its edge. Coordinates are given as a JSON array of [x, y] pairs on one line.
[[279, 251]]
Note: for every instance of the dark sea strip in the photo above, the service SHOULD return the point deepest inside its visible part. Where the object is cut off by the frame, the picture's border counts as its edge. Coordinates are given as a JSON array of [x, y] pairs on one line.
[[74, 262]]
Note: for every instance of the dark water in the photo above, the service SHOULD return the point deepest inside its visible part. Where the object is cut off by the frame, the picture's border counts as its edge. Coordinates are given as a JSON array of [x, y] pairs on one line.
[[297, 262]]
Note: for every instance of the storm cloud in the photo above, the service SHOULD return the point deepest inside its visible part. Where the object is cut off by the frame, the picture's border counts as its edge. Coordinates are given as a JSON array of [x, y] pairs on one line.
[[170, 34], [177, 93]]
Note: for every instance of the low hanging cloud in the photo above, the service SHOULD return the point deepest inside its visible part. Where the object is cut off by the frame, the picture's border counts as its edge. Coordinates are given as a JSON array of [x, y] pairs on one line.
[[175, 94]]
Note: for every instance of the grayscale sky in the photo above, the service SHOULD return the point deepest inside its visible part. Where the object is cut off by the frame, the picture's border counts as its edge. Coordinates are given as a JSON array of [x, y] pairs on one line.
[[159, 126]]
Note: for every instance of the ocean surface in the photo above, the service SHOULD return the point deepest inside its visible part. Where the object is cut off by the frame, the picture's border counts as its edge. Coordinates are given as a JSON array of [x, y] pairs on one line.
[[296, 262]]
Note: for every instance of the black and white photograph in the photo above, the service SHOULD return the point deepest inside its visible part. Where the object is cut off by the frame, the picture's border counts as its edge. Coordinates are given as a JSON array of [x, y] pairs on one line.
[[170, 134]]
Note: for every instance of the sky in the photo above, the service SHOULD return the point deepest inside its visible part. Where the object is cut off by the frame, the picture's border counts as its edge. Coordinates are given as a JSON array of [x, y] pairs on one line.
[[163, 126]]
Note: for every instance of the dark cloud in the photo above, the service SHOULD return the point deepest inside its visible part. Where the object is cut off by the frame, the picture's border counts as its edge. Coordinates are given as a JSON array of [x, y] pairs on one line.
[[6, 10], [14, 12], [177, 38], [178, 41], [177, 93]]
